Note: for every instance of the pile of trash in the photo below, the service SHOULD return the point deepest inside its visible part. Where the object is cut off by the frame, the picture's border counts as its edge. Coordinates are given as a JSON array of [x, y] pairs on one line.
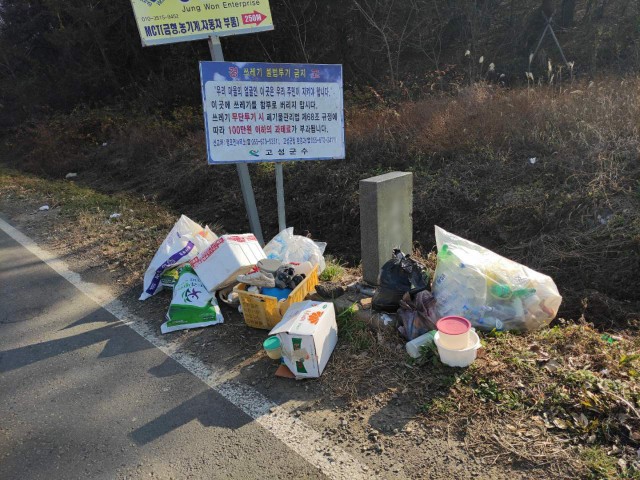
[[269, 286], [473, 289]]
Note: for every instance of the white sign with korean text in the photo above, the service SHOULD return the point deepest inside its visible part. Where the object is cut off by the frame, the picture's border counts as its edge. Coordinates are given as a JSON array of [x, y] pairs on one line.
[[258, 112]]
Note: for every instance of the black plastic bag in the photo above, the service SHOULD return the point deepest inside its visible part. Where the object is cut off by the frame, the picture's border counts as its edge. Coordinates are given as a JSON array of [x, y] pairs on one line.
[[398, 276]]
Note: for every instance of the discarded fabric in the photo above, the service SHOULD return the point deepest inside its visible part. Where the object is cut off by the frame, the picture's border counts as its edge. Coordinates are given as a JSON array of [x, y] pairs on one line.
[[416, 315]]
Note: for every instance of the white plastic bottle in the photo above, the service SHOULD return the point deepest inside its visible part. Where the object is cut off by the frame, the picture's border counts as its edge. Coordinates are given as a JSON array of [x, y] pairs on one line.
[[413, 347], [459, 289]]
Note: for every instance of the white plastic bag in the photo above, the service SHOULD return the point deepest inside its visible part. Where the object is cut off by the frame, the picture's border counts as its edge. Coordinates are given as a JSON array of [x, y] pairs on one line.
[[185, 240], [288, 248], [490, 291], [192, 305]]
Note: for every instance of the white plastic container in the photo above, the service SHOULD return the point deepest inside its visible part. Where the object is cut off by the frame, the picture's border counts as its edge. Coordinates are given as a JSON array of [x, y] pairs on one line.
[[454, 332], [459, 358], [413, 347]]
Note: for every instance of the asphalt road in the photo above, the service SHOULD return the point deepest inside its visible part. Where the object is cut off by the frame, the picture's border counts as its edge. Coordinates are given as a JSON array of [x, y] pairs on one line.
[[84, 396]]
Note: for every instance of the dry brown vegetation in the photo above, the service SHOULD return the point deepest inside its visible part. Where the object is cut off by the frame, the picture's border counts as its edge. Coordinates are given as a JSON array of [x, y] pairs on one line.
[[573, 214], [559, 403]]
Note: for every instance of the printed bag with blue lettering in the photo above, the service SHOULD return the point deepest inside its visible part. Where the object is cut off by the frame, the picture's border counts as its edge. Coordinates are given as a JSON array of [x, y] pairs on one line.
[[184, 242], [192, 305]]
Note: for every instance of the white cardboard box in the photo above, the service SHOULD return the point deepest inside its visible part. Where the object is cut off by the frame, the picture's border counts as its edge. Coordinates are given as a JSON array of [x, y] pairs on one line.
[[308, 334], [229, 256]]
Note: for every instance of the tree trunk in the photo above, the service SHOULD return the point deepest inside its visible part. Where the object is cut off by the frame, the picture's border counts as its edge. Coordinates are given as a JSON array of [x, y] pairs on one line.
[[567, 12]]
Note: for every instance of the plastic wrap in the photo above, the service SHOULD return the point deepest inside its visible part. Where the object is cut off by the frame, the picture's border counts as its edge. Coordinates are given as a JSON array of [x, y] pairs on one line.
[[290, 248], [491, 291]]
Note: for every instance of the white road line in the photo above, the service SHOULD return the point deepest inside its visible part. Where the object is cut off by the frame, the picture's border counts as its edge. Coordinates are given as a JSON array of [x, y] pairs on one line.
[[294, 433]]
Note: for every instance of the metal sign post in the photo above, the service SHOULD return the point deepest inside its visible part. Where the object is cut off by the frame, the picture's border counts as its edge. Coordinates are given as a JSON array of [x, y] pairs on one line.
[[282, 220], [548, 28], [217, 55], [164, 22]]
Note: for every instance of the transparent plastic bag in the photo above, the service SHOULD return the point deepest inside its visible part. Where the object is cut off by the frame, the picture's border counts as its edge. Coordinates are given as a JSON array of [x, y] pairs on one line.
[[289, 248], [491, 291]]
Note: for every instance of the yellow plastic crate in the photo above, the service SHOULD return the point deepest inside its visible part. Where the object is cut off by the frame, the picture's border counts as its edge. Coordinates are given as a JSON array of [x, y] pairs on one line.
[[262, 311]]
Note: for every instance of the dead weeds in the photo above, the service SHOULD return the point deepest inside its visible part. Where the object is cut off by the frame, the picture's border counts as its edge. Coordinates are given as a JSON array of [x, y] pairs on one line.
[[126, 243], [546, 176], [540, 399]]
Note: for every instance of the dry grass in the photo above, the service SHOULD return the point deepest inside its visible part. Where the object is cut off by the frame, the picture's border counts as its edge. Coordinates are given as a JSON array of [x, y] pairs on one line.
[[565, 392], [83, 223], [547, 176], [539, 400], [573, 214], [560, 402]]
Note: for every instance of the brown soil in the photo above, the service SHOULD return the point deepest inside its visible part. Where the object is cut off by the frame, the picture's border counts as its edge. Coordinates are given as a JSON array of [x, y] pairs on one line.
[[517, 413]]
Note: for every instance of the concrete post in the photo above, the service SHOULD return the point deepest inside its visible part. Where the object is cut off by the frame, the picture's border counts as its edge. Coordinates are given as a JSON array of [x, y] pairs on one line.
[[386, 222]]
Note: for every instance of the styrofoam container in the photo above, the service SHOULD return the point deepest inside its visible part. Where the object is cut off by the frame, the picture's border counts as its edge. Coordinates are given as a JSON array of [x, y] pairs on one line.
[[231, 255], [459, 358]]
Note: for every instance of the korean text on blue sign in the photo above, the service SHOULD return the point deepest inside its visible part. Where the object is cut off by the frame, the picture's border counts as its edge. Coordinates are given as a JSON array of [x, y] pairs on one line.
[[264, 112]]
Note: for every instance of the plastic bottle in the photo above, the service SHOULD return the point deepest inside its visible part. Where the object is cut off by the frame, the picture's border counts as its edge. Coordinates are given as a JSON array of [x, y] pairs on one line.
[[458, 288], [535, 314], [443, 283], [414, 346], [505, 292]]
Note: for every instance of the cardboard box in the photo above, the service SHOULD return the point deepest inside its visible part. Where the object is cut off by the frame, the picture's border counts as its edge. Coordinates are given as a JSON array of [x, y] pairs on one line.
[[308, 334], [229, 256]]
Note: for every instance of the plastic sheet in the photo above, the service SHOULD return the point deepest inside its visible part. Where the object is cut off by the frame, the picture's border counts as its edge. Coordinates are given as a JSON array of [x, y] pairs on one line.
[[491, 291], [290, 248]]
